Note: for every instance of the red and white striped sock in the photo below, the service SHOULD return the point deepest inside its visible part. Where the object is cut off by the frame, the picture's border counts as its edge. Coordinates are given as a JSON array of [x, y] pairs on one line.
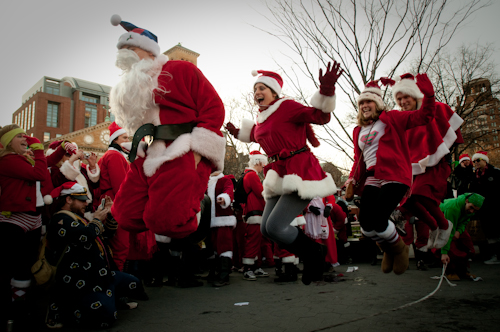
[[390, 234]]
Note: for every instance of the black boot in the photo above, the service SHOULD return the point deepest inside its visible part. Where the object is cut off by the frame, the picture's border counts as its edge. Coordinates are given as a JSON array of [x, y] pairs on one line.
[[290, 274], [278, 267], [173, 270], [313, 255], [225, 269], [187, 277], [213, 266]]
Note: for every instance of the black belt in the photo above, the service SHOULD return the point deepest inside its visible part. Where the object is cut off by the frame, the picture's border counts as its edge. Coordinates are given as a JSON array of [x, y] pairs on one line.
[[253, 213], [164, 132], [292, 153]]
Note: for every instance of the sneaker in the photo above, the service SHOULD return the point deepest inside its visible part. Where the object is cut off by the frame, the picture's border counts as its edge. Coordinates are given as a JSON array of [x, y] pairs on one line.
[[260, 273], [249, 275], [493, 260]]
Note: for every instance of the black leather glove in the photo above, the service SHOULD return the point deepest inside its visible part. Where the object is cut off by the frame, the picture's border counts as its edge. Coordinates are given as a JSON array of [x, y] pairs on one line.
[[327, 212], [315, 210]]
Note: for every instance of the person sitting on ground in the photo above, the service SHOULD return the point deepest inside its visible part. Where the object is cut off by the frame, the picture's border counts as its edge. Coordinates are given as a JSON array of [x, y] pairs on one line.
[[87, 282]]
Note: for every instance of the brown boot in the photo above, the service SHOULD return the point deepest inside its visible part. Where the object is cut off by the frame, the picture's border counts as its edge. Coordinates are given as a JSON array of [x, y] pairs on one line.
[[388, 260], [400, 252]]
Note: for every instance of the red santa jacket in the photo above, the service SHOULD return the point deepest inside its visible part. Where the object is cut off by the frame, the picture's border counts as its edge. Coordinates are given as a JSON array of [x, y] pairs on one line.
[[114, 167], [393, 157], [78, 173], [254, 207], [221, 186], [184, 95], [18, 181], [280, 129]]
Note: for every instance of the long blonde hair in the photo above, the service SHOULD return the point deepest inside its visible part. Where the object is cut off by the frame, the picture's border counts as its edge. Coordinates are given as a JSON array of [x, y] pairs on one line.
[[362, 121], [7, 149]]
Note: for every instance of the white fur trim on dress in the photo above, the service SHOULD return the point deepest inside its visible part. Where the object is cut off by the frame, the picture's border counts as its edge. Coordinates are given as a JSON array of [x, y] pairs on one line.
[[443, 149], [248, 261], [228, 254], [20, 283], [245, 130], [324, 103], [254, 220], [94, 174], [162, 238], [134, 39], [210, 145], [227, 200], [262, 117], [69, 171], [288, 259], [223, 221], [299, 221], [274, 185]]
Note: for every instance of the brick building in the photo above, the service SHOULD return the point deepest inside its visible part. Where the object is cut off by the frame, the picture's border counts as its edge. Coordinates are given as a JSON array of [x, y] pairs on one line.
[[55, 107]]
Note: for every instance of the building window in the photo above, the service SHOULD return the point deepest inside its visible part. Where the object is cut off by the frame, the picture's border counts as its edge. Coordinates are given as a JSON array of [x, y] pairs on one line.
[[58, 135], [46, 136], [52, 115], [15, 120], [33, 115], [52, 90], [28, 125], [90, 115], [493, 124], [90, 98]]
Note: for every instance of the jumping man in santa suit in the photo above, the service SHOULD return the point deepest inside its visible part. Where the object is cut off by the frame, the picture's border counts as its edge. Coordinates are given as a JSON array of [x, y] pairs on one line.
[[173, 102]]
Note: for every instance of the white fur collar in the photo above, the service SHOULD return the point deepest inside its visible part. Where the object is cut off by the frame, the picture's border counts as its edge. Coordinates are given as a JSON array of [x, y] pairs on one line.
[[270, 110], [212, 182], [250, 169], [122, 153]]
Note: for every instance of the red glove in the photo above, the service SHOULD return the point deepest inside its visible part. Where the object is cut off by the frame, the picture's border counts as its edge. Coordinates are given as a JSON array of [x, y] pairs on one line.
[[232, 129], [69, 147], [425, 85], [327, 81], [31, 140]]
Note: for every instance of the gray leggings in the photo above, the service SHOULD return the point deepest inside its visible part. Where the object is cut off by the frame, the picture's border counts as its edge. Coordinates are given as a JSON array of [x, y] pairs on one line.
[[279, 212]]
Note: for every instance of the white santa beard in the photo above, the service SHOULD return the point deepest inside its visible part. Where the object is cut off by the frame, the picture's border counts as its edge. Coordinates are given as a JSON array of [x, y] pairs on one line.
[[132, 99]]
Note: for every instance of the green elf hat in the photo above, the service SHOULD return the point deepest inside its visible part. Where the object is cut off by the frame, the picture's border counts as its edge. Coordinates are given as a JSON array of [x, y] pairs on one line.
[[476, 199]]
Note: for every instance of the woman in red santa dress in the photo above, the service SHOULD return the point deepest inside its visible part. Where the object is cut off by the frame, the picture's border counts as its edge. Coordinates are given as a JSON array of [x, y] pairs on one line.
[[382, 168], [429, 155], [295, 176], [22, 182]]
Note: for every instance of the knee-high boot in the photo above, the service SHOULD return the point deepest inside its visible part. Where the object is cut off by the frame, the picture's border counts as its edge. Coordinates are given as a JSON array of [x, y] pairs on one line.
[[225, 269], [313, 255]]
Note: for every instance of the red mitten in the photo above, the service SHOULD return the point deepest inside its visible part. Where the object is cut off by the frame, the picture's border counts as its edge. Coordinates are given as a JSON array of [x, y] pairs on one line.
[[425, 85], [69, 147], [31, 140], [232, 129], [327, 81]]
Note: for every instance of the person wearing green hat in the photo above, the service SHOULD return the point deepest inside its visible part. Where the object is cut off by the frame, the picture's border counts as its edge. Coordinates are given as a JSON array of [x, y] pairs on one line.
[[459, 211]]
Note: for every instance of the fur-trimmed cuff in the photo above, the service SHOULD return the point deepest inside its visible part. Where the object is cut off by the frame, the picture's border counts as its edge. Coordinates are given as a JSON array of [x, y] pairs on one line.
[[299, 221], [274, 185], [288, 259], [248, 261], [94, 174], [227, 200], [254, 220], [210, 145], [223, 221], [69, 171], [325, 103], [20, 283], [246, 130]]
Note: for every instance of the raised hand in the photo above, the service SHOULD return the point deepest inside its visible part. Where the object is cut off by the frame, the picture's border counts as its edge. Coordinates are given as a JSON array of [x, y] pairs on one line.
[[425, 85], [328, 80], [31, 140], [69, 147], [232, 129]]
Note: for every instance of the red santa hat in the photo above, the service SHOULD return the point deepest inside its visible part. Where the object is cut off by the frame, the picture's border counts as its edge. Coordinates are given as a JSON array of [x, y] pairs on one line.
[[256, 157], [70, 188], [407, 86], [372, 92], [463, 157], [481, 155], [136, 36], [115, 131], [270, 79]]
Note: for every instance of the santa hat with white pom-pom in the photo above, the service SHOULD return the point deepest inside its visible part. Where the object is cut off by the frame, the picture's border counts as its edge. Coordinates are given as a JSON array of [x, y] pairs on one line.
[[136, 36], [270, 79]]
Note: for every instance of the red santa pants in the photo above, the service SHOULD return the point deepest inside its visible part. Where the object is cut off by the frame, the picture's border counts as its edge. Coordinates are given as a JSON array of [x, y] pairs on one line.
[[284, 255], [120, 246], [253, 238], [422, 231], [222, 239], [427, 210], [167, 202]]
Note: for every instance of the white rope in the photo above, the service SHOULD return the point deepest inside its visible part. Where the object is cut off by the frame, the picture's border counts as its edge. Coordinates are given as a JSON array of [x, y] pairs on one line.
[[400, 307]]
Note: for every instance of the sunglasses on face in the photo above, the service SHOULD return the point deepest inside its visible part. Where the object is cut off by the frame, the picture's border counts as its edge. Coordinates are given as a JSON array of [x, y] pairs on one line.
[[478, 160]]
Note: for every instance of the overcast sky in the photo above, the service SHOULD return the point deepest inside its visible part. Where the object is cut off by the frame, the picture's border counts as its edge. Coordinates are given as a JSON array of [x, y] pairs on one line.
[[60, 38]]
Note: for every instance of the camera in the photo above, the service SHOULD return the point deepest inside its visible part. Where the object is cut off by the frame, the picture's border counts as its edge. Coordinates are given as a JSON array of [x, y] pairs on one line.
[[86, 155]]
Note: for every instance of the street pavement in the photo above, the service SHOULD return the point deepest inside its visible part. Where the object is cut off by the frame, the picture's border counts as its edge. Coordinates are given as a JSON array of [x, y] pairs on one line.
[[363, 300]]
